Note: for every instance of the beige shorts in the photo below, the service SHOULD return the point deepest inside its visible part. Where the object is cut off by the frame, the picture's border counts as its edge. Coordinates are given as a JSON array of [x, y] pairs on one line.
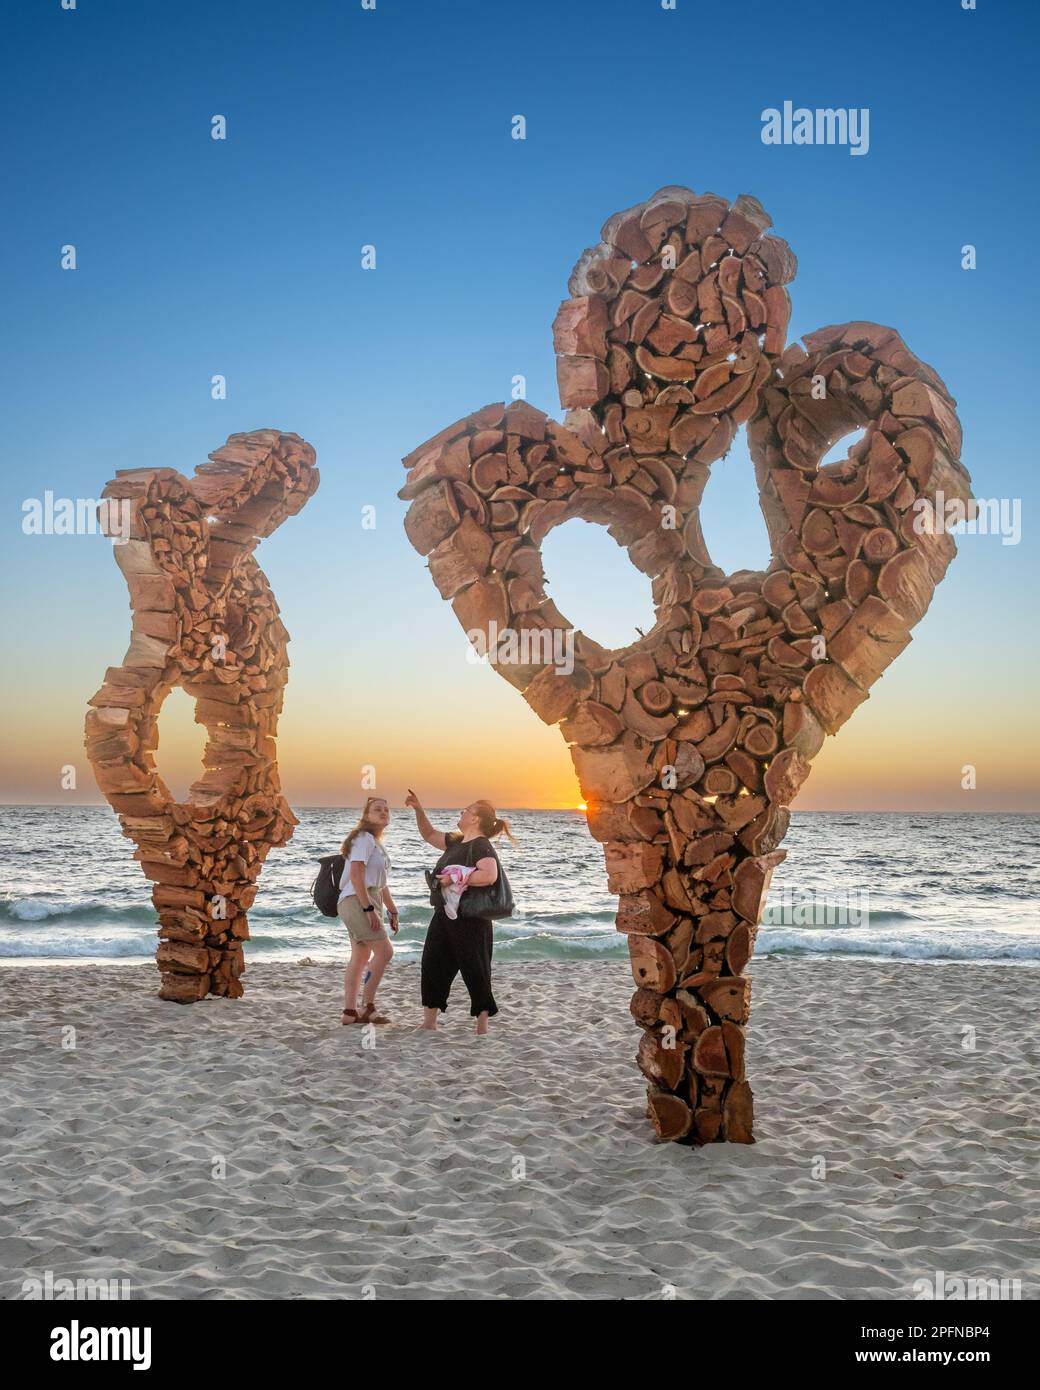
[[362, 925]]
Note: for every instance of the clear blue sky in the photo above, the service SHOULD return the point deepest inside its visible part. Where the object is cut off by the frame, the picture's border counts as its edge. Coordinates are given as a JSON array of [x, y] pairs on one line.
[[392, 127]]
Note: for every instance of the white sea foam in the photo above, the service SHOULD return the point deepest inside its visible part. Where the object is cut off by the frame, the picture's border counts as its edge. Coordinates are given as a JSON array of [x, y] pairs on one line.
[[36, 909]]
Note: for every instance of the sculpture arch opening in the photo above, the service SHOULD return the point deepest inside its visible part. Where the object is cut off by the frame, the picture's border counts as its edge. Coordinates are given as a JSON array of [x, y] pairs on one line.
[[734, 530], [843, 446], [181, 743], [583, 563]]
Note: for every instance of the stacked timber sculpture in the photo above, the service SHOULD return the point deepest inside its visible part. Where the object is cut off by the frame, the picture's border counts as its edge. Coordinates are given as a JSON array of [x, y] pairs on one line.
[[690, 743], [204, 618]]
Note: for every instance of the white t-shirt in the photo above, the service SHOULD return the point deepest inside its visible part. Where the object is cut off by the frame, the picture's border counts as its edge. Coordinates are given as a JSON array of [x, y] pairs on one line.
[[366, 850]]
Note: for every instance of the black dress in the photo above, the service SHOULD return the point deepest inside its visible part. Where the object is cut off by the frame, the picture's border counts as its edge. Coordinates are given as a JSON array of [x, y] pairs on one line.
[[460, 946]]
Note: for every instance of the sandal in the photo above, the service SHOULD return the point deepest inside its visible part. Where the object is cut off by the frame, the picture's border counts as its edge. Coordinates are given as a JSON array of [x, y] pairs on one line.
[[349, 1016], [368, 1014]]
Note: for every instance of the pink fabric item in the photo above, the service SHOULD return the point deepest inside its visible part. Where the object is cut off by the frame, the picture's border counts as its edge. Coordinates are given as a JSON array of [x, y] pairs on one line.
[[454, 890]]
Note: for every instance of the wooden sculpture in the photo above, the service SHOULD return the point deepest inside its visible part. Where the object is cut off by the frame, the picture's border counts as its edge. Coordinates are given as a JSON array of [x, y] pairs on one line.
[[204, 618], [690, 743]]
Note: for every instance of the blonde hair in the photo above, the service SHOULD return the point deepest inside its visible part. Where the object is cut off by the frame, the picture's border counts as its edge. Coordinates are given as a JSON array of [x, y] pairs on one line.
[[364, 825], [491, 823]]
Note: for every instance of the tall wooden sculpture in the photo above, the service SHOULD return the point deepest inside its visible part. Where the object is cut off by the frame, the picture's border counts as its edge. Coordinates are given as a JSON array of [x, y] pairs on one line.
[[204, 618], [690, 743]]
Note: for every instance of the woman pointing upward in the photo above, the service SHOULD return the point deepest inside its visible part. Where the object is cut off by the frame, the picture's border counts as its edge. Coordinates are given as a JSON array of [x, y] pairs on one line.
[[462, 945]]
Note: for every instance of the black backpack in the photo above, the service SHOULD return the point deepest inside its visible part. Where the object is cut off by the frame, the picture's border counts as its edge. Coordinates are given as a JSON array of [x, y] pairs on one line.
[[325, 888]]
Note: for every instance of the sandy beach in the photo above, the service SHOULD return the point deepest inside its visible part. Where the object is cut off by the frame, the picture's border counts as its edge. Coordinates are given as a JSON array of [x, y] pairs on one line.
[[520, 1166]]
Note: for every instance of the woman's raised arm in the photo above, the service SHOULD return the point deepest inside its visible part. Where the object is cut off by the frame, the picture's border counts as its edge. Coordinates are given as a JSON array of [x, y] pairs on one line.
[[436, 838]]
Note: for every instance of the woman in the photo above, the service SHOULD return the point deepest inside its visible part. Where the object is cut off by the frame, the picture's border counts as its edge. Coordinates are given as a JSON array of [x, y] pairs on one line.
[[464, 944], [363, 895]]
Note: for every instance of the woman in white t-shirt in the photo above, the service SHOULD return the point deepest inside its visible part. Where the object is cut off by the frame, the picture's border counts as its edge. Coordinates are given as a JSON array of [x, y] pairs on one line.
[[363, 896]]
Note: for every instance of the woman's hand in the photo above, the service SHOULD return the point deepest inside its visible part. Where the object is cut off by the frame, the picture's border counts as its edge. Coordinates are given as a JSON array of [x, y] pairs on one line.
[[391, 911], [422, 822]]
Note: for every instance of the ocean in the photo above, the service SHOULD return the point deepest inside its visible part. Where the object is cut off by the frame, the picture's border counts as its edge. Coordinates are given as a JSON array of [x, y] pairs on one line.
[[870, 886]]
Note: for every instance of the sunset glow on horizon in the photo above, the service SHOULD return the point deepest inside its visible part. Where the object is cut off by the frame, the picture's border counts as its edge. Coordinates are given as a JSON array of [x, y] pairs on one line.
[[510, 757]]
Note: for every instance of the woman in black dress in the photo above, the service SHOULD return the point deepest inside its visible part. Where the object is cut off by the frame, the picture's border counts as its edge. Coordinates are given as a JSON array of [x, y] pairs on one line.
[[463, 945]]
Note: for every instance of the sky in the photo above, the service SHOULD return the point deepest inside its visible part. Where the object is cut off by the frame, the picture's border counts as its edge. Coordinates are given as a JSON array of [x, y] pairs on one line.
[[391, 127]]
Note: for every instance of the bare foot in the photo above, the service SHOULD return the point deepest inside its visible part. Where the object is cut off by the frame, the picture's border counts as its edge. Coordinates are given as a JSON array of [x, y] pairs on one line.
[[482, 1029]]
